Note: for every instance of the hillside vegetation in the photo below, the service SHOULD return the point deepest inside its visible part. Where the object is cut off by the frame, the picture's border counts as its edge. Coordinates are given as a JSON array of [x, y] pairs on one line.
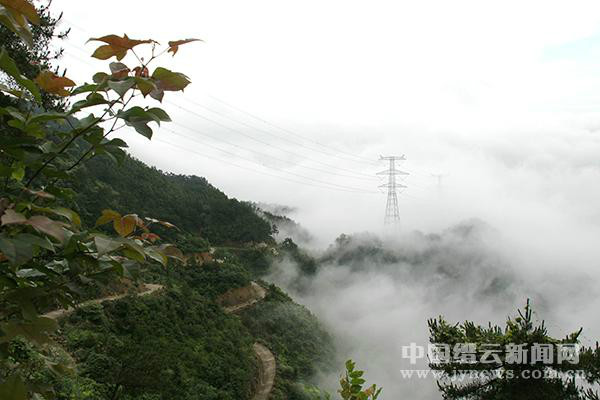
[[189, 202]]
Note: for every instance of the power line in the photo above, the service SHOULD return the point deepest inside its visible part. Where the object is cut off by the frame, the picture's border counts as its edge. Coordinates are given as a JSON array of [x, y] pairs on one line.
[[264, 142], [262, 172], [348, 188], [265, 154], [358, 159]]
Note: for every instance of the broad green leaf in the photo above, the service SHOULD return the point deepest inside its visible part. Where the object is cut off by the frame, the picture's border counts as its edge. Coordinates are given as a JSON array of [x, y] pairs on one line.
[[172, 251], [46, 116], [15, 250], [160, 114], [13, 388], [34, 240], [18, 171], [134, 251], [87, 87], [133, 255], [106, 245], [112, 149], [93, 99], [13, 112], [139, 118], [145, 85], [9, 66], [121, 87], [38, 330], [17, 124], [116, 142], [169, 80], [100, 77], [157, 255]]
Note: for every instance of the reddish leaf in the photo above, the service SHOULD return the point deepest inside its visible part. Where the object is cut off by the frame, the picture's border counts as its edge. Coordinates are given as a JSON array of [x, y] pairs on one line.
[[138, 221], [174, 45], [116, 46], [53, 83], [151, 237], [119, 70], [141, 72], [12, 217], [48, 226], [157, 94]]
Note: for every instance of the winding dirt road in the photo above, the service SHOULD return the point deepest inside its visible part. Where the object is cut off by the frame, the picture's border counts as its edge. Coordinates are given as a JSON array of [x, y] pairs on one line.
[[267, 366], [258, 293], [56, 314], [266, 372]]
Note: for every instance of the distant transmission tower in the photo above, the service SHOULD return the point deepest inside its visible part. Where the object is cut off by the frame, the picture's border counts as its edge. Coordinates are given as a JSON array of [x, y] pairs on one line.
[[392, 215], [439, 178]]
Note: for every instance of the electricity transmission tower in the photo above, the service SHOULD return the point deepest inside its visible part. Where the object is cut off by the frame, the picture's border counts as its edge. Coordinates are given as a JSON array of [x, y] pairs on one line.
[[392, 215]]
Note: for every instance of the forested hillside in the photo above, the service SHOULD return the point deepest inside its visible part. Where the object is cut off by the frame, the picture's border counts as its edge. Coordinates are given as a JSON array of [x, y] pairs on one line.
[[180, 342], [189, 202]]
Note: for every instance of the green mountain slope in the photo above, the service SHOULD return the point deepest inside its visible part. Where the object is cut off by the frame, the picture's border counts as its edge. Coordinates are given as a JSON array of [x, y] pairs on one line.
[[189, 202]]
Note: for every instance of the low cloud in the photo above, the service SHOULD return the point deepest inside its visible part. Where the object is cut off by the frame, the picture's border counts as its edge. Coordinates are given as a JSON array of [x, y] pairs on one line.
[[375, 295]]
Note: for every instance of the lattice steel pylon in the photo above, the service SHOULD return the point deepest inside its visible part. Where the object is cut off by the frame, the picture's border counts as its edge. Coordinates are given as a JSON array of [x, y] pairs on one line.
[[392, 213]]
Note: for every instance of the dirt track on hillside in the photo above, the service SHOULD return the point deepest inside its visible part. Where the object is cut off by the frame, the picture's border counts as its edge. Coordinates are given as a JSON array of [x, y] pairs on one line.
[[257, 294], [266, 372], [267, 366], [56, 314]]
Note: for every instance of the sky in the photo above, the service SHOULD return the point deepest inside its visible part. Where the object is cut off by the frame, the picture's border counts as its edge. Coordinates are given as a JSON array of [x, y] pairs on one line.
[[499, 97]]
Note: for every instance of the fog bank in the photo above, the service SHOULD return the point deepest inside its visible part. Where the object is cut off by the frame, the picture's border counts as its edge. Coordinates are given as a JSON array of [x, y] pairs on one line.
[[375, 295]]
